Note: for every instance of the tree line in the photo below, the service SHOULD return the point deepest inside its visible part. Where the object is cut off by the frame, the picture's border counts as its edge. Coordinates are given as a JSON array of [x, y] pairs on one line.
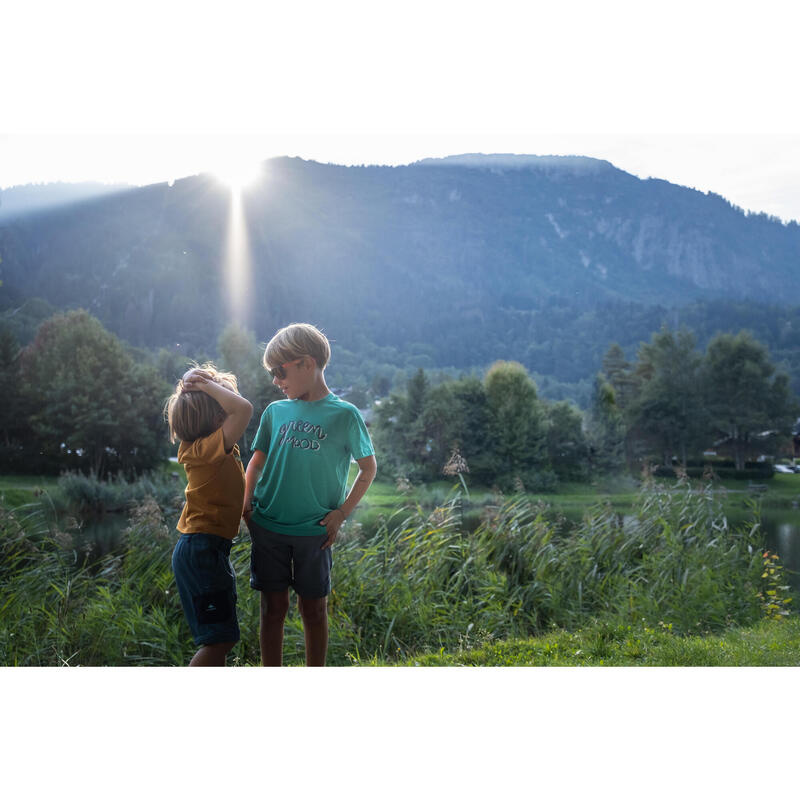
[[668, 406], [561, 344], [498, 429], [674, 402], [76, 397]]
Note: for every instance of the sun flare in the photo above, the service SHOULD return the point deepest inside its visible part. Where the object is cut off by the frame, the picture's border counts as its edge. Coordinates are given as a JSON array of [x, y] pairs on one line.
[[237, 173]]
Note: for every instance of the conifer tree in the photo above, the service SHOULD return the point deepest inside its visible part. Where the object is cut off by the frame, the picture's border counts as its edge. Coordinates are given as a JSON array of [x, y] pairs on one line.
[[606, 429]]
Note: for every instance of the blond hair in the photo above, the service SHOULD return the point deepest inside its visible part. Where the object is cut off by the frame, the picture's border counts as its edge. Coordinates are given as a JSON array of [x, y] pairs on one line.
[[294, 341], [193, 415]]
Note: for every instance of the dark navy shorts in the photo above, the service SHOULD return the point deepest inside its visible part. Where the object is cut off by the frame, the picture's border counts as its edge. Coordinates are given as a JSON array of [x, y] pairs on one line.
[[279, 560], [207, 586]]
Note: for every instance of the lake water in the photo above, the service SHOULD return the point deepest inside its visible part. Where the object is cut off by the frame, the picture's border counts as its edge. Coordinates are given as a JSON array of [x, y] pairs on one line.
[[783, 537]]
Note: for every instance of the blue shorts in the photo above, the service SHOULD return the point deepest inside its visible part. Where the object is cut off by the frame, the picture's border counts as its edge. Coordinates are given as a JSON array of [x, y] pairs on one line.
[[279, 560], [207, 587]]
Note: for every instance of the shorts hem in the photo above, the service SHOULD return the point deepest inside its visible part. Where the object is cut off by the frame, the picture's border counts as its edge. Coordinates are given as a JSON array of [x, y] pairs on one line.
[[216, 639], [313, 596], [258, 586]]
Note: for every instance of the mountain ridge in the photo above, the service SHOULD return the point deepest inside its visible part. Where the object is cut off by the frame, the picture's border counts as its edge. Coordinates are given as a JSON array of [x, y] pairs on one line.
[[461, 257]]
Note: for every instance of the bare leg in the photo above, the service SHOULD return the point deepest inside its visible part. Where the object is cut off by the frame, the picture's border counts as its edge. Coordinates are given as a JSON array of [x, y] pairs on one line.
[[274, 607], [314, 611], [212, 655]]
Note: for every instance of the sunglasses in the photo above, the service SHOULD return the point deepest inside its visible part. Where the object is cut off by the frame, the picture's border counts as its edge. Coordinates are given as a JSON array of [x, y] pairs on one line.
[[280, 372]]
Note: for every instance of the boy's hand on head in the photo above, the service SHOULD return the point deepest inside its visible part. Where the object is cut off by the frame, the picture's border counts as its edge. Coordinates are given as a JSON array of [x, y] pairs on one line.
[[194, 379], [332, 521]]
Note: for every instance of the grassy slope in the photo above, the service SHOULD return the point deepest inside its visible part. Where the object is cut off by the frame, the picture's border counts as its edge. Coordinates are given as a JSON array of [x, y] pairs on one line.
[[768, 644], [16, 490]]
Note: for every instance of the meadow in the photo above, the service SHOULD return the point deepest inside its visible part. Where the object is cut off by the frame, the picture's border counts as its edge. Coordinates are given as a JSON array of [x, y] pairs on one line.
[[433, 576]]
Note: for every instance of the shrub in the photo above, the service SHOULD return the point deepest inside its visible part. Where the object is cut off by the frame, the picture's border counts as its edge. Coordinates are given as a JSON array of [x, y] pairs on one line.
[[88, 494]]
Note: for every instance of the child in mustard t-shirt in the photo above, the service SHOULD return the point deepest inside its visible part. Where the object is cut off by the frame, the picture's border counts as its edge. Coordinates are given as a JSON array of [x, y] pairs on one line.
[[208, 415], [296, 496]]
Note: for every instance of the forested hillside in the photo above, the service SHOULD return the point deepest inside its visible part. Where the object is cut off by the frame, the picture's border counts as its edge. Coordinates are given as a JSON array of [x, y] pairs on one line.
[[444, 263]]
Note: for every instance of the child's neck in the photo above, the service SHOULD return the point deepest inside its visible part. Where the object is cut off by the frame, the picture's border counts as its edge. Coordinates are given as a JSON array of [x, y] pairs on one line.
[[318, 390]]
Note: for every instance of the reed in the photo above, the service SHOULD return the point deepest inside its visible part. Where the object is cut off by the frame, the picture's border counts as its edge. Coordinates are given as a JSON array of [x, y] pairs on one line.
[[426, 584], [422, 583]]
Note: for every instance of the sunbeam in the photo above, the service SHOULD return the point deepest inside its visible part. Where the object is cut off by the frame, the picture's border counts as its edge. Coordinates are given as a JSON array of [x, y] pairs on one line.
[[237, 262]]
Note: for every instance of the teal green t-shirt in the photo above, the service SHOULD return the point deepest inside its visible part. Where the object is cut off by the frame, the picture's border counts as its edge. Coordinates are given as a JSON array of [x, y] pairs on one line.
[[308, 446]]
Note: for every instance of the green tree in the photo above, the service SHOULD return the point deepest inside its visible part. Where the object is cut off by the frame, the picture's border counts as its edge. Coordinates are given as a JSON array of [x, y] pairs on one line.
[[668, 410], [567, 448], [516, 420], [241, 355], [606, 429], [455, 416], [442, 424], [170, 364], [621, 374], [413, 439], [387, 435], [13, 418], [90, 405], [380, 385], [745, 396], [474, 435]]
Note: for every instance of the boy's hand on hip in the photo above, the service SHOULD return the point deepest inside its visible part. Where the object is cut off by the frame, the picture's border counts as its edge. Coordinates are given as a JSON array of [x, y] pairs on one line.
[[332, 521]]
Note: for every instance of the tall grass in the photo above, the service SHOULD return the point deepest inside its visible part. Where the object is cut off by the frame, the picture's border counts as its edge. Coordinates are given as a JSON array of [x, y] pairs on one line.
[[58, 608], [422, 582]]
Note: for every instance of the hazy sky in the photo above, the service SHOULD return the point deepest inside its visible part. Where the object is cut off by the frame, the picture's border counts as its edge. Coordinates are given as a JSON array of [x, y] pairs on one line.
[[756, 172], [699, 93]]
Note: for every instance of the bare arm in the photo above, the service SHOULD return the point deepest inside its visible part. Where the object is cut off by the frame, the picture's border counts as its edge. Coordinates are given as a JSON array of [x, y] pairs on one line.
[[367, 468], [237, 409], [251, 477]]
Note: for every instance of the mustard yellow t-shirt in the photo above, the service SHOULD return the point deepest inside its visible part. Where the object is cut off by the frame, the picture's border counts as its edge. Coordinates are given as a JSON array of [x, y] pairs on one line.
[[215, 489]]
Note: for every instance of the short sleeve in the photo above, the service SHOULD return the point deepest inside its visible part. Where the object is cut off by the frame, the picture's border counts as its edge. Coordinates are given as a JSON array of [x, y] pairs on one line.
[[264, 432], [207, 450], [359, 442]]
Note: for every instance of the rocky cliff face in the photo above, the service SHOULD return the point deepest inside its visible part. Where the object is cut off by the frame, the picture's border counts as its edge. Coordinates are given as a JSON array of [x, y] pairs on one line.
[[661, 245]]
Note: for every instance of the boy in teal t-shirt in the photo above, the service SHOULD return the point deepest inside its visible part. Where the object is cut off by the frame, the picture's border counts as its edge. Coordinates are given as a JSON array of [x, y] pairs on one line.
[[295, 489]]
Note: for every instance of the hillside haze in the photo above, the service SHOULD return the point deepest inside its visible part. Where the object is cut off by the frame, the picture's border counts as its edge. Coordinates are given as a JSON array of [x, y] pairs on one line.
[[18, 201], [458, 260]]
